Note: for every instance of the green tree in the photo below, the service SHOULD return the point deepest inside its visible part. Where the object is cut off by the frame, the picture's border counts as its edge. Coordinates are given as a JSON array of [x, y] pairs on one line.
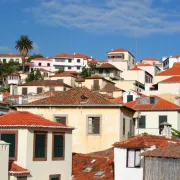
[[175, 132], [24, 45], [34, 75], [88, 71], [34, 56], [37, 75]]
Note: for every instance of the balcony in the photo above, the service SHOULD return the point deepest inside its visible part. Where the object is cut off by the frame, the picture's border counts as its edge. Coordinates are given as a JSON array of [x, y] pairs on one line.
[[115, 77]]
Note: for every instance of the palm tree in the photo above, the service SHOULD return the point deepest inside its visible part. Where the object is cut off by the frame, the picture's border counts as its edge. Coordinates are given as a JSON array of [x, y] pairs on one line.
[[24, 45]]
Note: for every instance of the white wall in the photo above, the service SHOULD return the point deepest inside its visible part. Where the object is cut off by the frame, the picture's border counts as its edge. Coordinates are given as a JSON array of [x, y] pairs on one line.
[[135, 96], [121, 171], [173, 88], [152, 121], [4, 160]]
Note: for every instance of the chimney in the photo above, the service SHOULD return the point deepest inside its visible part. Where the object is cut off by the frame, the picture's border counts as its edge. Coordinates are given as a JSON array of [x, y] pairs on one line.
[[20, 100], [1, 97], [165, 129], [4, 160]]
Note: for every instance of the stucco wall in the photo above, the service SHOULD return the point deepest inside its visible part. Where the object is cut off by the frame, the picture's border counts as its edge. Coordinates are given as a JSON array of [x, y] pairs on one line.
[[160, 78], [121, 171], [173, 88], [152, 121], [67, 80], [111, 125]]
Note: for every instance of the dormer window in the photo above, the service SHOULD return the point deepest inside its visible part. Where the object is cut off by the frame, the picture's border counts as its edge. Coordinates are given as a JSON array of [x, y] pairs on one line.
[[99, 174], [129, 98], [83, 99], [88, 169], [152, 100]]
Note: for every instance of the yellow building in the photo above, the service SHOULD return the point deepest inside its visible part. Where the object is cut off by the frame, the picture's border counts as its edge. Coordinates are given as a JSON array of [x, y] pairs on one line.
[[98, 122]]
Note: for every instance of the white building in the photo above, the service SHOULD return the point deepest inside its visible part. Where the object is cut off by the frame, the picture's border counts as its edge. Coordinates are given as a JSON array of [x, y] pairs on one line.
[[14, 78], [128, 164], [39, 148], [169, 61], [70, 62], [152, 112]]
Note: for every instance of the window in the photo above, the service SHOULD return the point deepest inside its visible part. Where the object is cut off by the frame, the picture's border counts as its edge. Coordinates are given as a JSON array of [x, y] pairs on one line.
[[152, 100], [58, 146], [39, 64], [107, 72], [24, 91], [4, 60], [61, 80], [69, 60], [22, 178], [51, 89], [142, 122], [93, 125], [64, 88], [133, 158], [55, 177], [11, 138], [61, 119], [39, 90], [78, 60], [78, 67], [162, 119], [48, 64], [100, 71], [129, 98], [69, 67], [11, 60], [124, 126], [40, 146]]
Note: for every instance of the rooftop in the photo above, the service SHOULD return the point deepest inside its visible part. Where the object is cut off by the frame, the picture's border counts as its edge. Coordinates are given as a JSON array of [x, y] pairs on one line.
[[159, 104], [85, 166], [64, 74], [172, 150], [73, 97], [45, 83], [42, 59], [174, 71], [11, 55], [15, 169], [18, 119], [75, 55], [144, 141], [150, 59], [173, 79], [135, 68], [118, 50], [143, 64], [106, 66], [109, 87]]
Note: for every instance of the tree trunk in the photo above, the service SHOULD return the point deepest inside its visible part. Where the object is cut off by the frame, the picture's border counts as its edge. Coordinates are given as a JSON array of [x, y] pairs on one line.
[[23, 63]]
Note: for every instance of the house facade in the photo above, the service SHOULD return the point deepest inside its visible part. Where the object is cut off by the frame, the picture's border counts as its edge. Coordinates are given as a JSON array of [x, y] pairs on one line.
[[152, 61], [14, 78], [98, 122], [168, 62], [38, 148], [5, 58], [152, 112]]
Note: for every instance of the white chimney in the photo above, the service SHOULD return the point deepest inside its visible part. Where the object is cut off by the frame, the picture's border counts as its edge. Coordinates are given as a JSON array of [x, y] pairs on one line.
[[165, 130], [4, 160], [20, 100], [1, 97]]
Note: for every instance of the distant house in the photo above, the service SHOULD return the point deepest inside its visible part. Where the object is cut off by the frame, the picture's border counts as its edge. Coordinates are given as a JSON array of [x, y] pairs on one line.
[[152, 61], [127, 160], [153, 111], [39, 86], [168, 62], [38, 148], [162, 162], [98, 122], [13, 78]]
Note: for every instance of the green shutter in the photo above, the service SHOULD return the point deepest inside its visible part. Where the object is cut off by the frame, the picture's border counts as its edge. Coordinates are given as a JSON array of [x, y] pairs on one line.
[[40, 145], [10, 138], [58, 145], [142, 122]]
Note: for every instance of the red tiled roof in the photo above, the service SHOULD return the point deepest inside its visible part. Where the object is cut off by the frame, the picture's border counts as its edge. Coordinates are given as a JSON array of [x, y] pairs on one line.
[[16, 169], [42, 59], [173, 79], [144, 141], [10, 55], [150, 59], [172, 150], [135, 68], [176, 56], [100, 161], [143, 64], [5, 94], [64, 74], [96, 61], [161, 104], [45, 83], [109, 87], [118, 100], [174, 71], [27, 120], [76, 55], [14, 74], [106, 66], [118, 50], [73, 97]]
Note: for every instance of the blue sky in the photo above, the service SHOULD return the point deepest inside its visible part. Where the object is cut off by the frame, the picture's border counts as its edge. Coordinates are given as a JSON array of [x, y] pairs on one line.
[[147, 28]]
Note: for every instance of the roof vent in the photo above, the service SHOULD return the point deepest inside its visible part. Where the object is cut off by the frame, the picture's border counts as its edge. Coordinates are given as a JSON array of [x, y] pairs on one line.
[[83, 99], [99, 174], [88, 169]]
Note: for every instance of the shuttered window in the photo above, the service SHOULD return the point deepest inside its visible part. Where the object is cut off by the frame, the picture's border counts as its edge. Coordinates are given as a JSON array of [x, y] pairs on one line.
[[40, 146], [11, 139], [39, 90], [61, 119], [142, 122], [24, 91], [58, 146], [93, 125]]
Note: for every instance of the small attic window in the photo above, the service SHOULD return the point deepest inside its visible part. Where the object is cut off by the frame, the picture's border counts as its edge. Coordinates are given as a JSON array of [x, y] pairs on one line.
[[99, 174], [83, 99], [152, 100], [88, 169]]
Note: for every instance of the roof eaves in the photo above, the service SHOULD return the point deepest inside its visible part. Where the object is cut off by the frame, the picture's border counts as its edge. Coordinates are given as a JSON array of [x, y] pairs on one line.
[[36, 126]]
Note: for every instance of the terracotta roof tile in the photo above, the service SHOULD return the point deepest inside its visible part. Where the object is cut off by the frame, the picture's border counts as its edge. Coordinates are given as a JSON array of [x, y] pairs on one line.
[[144, 141], [106, 66], [135, 68], [99, 161], [27, 120], [64, 74], [150, 59], [173, 79], [73, 97], [118, 100], [174, 71], [172, 150], [45, 83], [118, 50], [143, 64], [5, 94], [16, 169], [161, 104], [76, 55], [10, 55], [42, 59], [109, 87]]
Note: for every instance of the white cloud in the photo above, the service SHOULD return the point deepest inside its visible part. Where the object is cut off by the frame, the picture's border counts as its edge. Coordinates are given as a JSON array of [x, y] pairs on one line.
[[36, 48], [131, 17], [5, 49]]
